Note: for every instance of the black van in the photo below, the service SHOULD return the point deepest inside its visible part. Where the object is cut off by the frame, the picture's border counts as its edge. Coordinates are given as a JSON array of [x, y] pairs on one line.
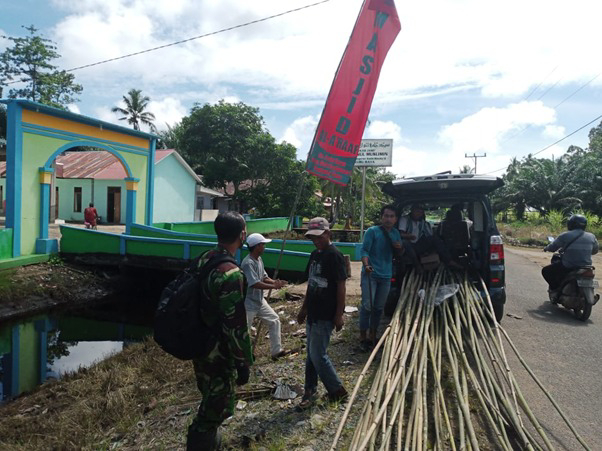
[[476, 240]]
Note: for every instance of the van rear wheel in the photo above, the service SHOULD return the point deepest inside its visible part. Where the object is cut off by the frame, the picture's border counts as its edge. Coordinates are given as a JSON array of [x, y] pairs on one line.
[[498, 309]]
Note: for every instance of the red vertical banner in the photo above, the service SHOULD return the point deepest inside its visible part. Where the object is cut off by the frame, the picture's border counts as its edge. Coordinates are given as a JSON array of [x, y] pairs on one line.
[[339, 133]]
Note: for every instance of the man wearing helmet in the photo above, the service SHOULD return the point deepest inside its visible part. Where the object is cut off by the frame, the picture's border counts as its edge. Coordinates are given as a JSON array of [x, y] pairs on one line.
[[577, 247]]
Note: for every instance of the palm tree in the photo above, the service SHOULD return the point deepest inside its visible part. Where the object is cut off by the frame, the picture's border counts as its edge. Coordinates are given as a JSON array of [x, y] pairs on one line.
[[134, 111]]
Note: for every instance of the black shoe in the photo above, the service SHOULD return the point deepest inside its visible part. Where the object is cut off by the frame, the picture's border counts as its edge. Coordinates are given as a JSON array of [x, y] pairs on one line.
[[366, 345], [210, 440], [340, 395]]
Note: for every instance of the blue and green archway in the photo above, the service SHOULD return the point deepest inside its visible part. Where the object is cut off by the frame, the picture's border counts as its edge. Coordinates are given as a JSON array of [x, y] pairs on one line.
[[36, 135]]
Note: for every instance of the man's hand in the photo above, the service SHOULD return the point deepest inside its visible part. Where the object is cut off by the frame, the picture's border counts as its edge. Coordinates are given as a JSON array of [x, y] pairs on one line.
[[339, 322], [301, 316], [243, 375], [368, 268], [280, 283]]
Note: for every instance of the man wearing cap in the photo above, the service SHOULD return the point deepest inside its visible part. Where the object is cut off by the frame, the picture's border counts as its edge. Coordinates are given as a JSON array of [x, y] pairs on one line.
[[323, 308], [255, 303]]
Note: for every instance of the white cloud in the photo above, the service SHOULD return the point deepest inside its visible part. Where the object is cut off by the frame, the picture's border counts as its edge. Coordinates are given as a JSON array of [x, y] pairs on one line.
[[553, 132], [383, 130], [300, 134], [104, 114], [73, 108], [484, 130], [168, 111]]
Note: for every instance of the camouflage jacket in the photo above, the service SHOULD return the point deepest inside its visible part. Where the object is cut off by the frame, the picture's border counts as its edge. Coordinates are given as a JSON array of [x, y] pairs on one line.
[[224, 287]]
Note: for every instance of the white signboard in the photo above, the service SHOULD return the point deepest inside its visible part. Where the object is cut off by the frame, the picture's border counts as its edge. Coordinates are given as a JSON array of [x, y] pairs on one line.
[[375, 152]]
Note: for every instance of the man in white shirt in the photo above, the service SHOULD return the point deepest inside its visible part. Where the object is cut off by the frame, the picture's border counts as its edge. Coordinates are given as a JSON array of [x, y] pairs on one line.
[[257, 281]]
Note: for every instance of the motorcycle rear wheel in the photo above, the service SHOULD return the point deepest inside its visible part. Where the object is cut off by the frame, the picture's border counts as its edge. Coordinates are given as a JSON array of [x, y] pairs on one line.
[[583, 313]]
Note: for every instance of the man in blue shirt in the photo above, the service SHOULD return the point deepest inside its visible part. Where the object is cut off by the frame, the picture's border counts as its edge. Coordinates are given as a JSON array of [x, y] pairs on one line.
[[377, 260]]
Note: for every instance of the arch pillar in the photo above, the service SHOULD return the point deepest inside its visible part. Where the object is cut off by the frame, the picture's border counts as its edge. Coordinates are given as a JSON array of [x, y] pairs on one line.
[[131, 185], [44, 245]]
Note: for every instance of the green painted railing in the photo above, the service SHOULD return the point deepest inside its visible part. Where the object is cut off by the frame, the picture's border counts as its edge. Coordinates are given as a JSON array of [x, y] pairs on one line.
[[6, 243], [264, 225], [350, 249], [75, 240]]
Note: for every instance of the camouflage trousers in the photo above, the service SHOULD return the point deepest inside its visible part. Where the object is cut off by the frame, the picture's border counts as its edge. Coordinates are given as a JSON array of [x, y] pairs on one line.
[[216, 380]]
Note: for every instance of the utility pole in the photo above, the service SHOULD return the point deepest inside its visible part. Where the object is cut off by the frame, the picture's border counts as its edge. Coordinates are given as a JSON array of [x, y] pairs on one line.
[[475, 156]]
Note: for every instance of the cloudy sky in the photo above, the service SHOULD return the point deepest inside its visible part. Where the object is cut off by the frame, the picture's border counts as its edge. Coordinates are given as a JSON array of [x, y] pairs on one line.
[[503, 79]]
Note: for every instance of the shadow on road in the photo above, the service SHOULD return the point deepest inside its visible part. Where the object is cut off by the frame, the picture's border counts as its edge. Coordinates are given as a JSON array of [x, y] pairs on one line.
[[556, 314]]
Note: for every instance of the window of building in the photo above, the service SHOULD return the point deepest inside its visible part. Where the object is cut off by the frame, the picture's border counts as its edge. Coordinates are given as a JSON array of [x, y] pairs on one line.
[[200, 202], [77, 199]]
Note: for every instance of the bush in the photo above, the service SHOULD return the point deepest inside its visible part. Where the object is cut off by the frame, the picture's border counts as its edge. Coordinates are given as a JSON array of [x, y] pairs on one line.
[[556, 220]]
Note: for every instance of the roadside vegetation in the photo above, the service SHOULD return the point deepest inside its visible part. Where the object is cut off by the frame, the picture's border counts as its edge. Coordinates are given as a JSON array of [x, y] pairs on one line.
[[535, 228]]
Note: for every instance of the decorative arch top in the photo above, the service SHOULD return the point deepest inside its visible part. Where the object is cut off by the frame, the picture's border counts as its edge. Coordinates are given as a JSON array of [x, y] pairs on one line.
[[83, 143]]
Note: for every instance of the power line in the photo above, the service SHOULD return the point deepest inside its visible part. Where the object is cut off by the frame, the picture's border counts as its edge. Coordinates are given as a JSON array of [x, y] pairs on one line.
[[554, 107], [223, 30], [540, 83], [577, 90], [553, 144]]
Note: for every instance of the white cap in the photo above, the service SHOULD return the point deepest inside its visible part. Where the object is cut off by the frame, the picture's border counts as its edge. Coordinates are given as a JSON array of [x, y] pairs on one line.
[[256, 238]]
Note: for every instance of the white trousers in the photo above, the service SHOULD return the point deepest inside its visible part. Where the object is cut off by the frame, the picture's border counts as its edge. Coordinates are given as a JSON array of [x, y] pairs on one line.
[[266, 314]]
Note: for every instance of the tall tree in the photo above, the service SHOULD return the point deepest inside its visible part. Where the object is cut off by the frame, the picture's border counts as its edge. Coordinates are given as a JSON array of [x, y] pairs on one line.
[[135, 110], [230, 147], [223, 141], [29, 61], [2, 121], [170, 138]]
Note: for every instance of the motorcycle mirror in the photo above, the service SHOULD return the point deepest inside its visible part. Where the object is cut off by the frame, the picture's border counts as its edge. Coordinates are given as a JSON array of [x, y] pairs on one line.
[[550, 239]]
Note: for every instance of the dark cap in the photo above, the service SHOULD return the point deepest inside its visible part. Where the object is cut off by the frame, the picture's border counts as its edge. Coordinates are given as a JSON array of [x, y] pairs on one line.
[[317, 226]]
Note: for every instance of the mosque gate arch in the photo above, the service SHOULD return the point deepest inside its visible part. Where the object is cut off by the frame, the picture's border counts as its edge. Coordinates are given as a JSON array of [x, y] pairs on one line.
[[36, 135]]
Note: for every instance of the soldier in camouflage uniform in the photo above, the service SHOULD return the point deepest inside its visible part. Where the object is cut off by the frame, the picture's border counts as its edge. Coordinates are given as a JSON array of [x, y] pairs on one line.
[[228, 362]]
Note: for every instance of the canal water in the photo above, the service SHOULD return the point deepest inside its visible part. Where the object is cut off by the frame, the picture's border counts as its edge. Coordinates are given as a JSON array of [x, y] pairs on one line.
[[48, 346]]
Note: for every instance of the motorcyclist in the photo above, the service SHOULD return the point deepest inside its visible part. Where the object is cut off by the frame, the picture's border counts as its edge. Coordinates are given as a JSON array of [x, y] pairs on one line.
[[577, 247]]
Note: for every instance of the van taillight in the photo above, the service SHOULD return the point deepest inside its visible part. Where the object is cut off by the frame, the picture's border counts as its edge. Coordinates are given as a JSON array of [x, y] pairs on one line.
[[496, 248]]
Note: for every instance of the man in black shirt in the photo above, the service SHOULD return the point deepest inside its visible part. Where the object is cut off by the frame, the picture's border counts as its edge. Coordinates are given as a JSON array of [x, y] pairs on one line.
[[323, 308]]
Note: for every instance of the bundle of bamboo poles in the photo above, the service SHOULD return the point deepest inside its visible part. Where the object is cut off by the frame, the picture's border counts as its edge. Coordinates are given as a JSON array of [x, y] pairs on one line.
[[442, 371]]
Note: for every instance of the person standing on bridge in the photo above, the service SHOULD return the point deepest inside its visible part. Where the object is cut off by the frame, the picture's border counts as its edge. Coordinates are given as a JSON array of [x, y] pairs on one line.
[[377, 260], [255, 303], [227, 364]]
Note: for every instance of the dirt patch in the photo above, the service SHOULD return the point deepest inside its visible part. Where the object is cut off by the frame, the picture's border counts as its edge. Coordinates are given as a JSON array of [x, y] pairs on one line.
[[144, 399], [28, 289]]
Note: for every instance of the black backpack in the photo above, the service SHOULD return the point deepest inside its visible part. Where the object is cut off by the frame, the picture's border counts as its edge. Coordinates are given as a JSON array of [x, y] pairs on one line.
[[179, 327]]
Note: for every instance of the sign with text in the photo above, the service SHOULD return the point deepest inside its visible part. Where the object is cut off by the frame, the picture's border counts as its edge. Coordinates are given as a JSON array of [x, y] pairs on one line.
[[337, 140], [375, 152]]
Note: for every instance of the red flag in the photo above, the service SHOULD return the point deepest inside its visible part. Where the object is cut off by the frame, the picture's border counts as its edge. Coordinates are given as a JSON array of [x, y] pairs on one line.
[[339, 134]]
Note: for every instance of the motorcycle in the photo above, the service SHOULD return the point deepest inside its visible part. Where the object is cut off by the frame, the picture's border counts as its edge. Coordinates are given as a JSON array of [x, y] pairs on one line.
[[577, 290]]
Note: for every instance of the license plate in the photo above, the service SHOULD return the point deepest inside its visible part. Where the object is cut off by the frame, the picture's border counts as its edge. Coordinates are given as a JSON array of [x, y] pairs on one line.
[[587, 283]]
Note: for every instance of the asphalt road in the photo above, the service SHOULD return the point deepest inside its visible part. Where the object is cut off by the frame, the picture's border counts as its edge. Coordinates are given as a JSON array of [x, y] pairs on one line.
[[563, 352]]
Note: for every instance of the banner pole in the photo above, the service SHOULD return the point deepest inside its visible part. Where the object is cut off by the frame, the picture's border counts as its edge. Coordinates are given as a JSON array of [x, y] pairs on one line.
[[363, 201]]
